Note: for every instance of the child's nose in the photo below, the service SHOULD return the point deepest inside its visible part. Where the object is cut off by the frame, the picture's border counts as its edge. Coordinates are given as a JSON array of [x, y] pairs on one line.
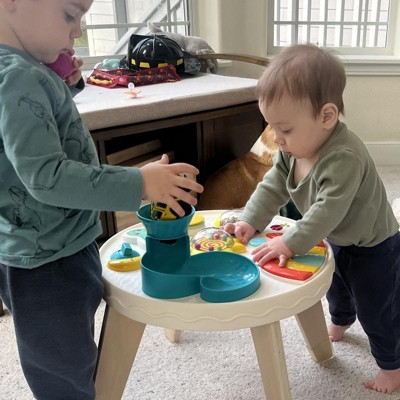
[[279, 140], [76, 31]]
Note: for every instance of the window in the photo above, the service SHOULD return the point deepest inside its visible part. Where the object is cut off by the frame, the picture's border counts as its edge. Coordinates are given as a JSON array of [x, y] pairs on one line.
[[360, 30], [109, 24]]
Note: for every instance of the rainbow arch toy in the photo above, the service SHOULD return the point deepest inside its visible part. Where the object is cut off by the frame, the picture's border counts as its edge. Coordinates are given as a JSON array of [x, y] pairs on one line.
[[299, 268]]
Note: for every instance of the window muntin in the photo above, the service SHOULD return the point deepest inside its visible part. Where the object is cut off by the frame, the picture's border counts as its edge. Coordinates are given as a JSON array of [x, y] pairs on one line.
[[357, 27]]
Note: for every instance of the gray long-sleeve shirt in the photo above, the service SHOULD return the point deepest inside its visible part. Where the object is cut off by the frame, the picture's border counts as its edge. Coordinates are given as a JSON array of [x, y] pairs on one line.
[[342, 198]]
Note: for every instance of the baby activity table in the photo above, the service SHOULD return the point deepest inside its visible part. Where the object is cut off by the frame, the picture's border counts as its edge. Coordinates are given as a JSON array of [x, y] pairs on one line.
[[129, 310]]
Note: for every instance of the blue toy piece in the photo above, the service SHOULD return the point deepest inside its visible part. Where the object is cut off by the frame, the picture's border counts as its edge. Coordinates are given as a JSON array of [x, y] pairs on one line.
[[124, 260], [125, 251], [169, 271], [108, 64], [310, 259], [258, 241]]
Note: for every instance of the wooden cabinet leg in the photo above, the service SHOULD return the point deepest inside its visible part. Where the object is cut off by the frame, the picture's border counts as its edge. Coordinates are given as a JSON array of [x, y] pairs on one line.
[[313, 327], [119, 342], [271, 360]]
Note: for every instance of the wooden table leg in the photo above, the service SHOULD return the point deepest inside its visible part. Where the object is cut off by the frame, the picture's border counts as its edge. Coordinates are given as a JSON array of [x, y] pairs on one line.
[[119, 342], [313, 327], [1, 308], [271, 360], [173, 335]]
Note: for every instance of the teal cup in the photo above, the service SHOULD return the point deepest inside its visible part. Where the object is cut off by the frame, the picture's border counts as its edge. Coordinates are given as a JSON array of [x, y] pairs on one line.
[[164, 229]]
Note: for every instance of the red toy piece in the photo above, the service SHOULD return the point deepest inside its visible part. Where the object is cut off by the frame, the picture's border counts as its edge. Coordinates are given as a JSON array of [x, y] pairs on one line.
[[274, 234], [273, 267]]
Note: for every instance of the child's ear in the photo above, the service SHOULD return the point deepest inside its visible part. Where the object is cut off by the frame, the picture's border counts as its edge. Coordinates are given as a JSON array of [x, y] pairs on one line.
[[329, 115]]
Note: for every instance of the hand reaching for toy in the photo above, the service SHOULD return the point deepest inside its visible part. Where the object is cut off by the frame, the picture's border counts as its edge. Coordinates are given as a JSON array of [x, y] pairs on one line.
[[162, 183], [241, 229], [273, 248]]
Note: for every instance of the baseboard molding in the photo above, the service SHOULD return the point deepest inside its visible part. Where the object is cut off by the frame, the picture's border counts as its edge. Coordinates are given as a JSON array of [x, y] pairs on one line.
[[384, 153]]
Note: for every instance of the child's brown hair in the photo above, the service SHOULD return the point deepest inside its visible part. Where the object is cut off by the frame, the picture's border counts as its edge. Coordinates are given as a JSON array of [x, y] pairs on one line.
[[304, 72]]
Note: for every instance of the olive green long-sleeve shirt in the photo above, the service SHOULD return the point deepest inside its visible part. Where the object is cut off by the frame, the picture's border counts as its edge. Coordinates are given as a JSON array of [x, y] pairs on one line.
[[342, 198]]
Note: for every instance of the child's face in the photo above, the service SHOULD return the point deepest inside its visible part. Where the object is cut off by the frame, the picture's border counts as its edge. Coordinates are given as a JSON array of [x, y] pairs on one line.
[[45, 28], [297, 131]]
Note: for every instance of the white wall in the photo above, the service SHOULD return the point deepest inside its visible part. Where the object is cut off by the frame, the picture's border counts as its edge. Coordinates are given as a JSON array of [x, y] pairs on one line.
[[372, 103]]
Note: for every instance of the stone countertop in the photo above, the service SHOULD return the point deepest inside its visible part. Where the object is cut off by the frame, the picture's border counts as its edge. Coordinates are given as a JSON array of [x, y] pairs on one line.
[[104, 107]]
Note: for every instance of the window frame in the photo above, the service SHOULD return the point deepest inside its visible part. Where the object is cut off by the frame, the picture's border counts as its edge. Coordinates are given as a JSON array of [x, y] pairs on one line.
[[382, 62], [90, 61]]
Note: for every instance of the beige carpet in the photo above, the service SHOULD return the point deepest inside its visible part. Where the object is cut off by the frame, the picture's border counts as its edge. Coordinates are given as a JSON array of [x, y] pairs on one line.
[[222, 365]]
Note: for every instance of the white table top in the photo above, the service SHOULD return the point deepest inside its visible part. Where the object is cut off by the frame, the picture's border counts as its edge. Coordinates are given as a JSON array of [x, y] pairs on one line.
[[104, 107], [276, 299]]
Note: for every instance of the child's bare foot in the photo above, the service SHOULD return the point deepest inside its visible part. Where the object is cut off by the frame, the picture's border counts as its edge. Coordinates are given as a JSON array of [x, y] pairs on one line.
[[336, 332], [386, 381]]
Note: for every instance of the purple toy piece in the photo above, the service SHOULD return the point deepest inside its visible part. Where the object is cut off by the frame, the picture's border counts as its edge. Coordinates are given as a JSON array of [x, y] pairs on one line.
[[63, 66]]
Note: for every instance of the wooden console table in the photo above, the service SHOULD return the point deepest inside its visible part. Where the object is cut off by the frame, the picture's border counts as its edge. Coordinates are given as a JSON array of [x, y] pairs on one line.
[[206, 120]]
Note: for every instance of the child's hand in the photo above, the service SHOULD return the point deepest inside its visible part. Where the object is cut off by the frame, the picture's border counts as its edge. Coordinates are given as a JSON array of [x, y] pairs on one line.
[[242, 230], [76, 76], [162, 183], [274, 248]]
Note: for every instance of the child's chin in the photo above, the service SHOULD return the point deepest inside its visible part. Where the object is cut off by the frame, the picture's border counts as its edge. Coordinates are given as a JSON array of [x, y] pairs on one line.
[[51, 60]]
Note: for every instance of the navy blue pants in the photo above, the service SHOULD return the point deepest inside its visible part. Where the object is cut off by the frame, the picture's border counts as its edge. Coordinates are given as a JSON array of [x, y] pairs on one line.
[[366, 285], [53, 308]]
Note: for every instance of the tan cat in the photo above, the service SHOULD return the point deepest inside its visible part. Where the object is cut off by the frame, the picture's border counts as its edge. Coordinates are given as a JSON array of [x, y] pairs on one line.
[[231, 186]]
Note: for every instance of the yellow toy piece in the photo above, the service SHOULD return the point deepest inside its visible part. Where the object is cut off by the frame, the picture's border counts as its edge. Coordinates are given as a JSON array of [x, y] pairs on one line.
[[196, 220], [301, 267], [318, 250], [217, 222], [160, 211], [238, 247], [124, 264]]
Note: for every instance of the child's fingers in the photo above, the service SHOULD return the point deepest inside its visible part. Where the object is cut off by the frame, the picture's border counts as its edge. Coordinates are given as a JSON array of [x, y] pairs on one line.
[[189, 184], [174, 205], [78, 62], [282, 260], [188, 198], [260, 252], [239, 233], [163, 160], [229, 227], [268, 257], [246, 237], [182, 168]]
